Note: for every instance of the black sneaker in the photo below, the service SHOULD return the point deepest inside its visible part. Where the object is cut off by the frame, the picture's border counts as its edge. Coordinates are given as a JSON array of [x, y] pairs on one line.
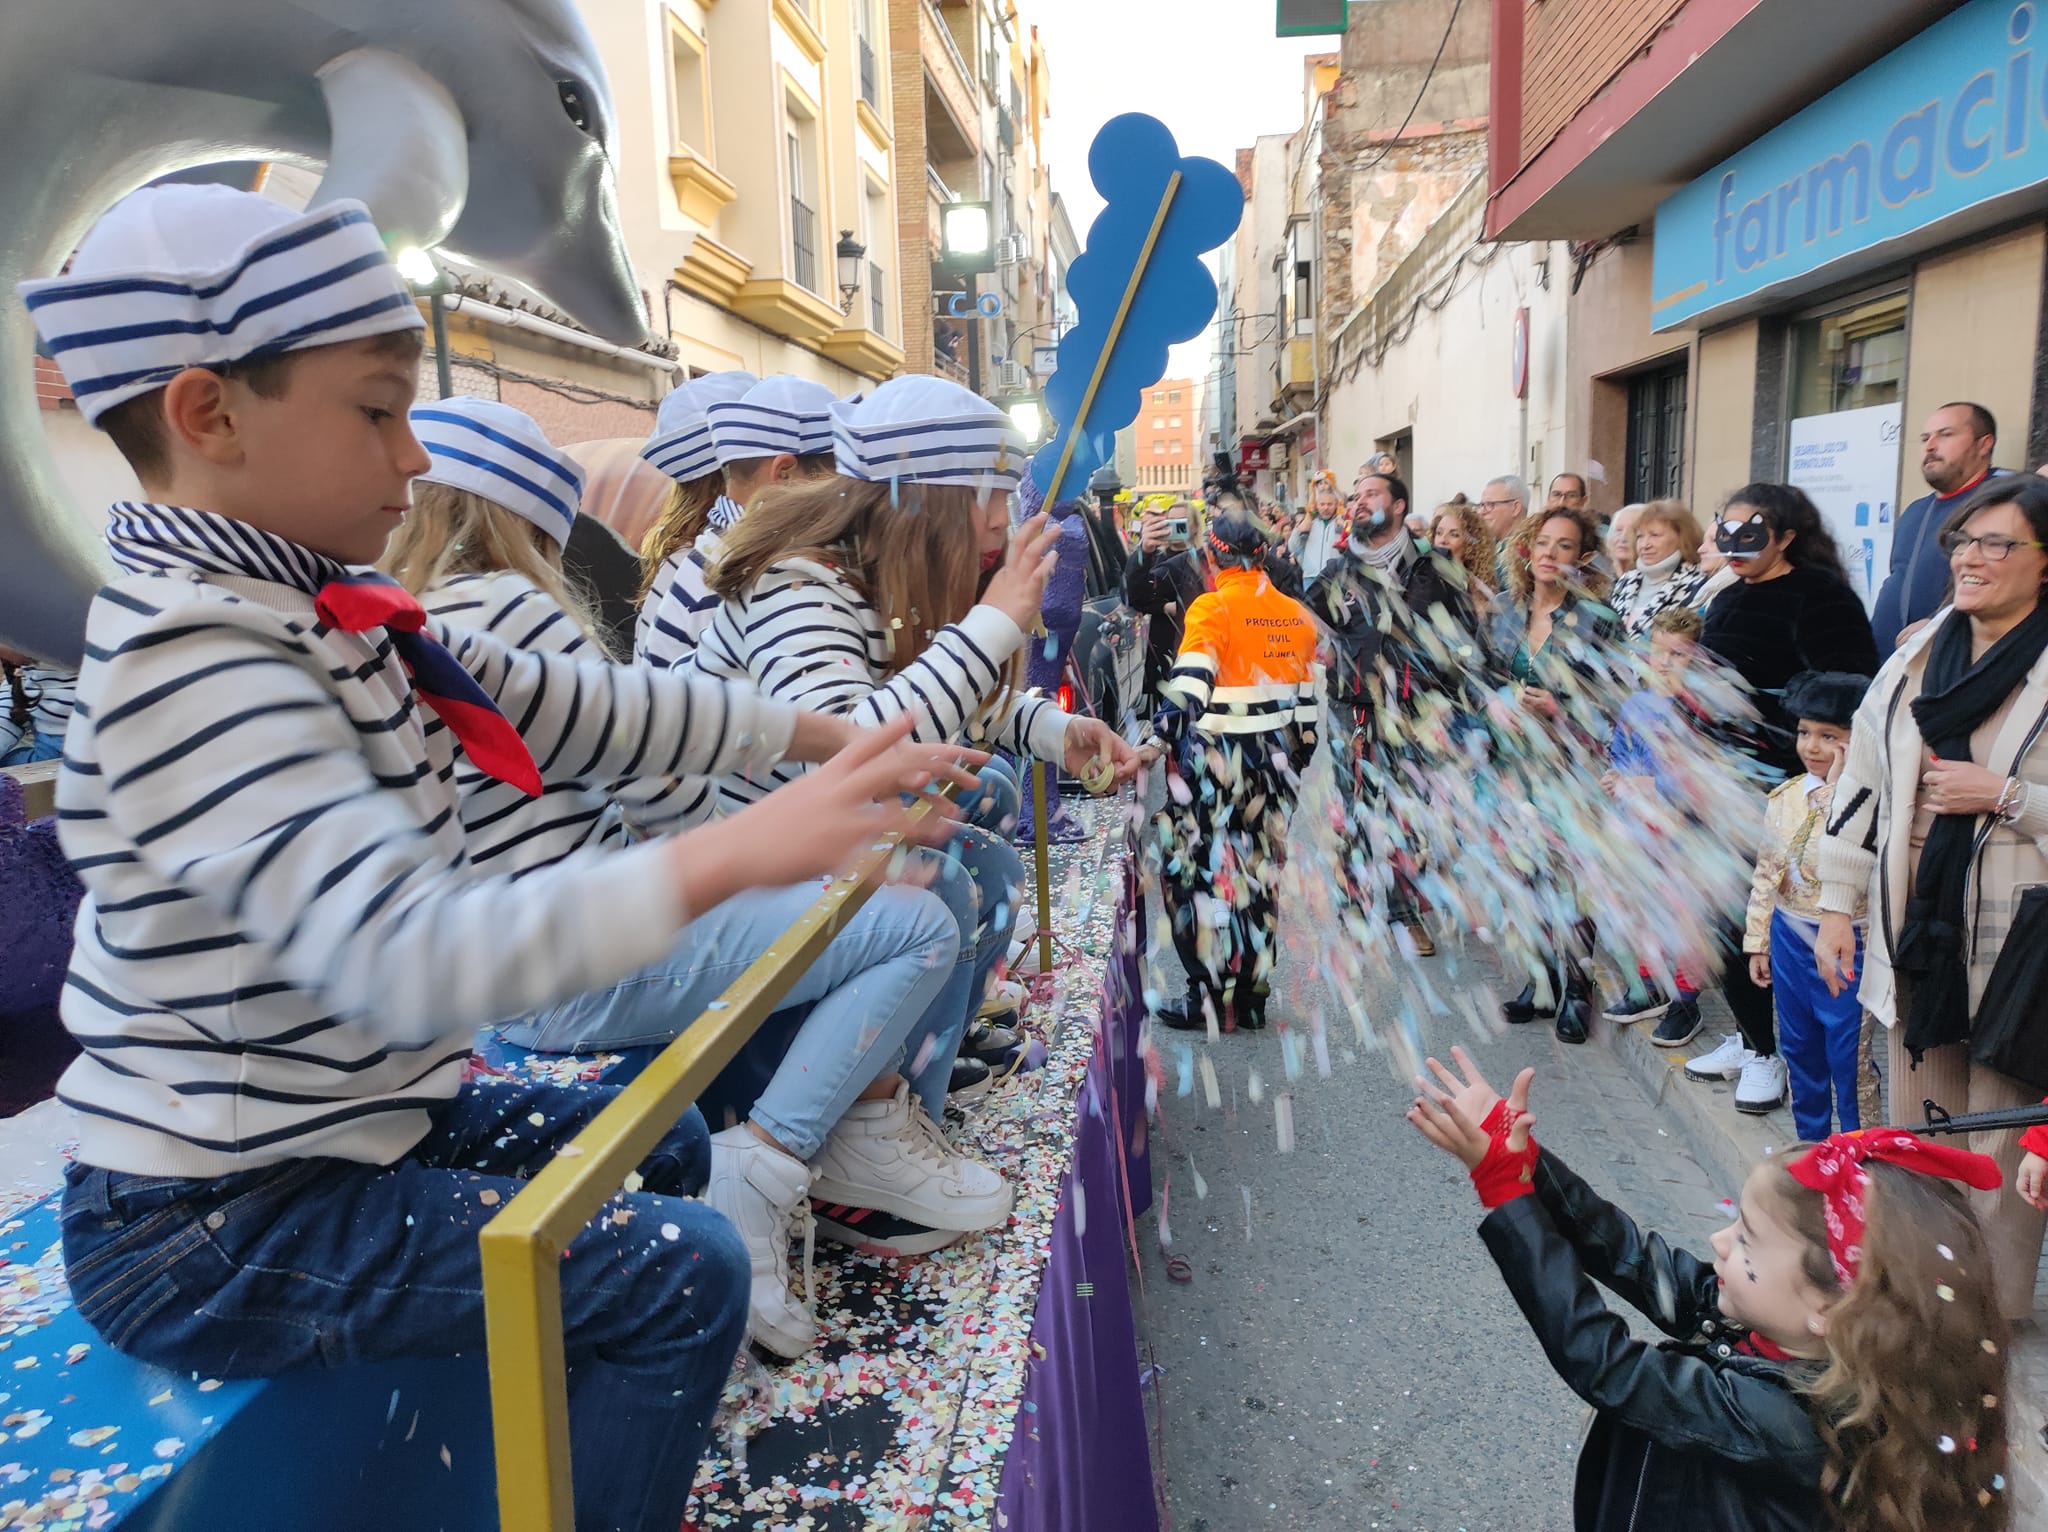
[[1681, 1023], [1523, 1008], [971, 1078], [1572, 1019], [1192, 1015], [1250, 1014], [1643, 1001], [992, 1045], [873, 1232]]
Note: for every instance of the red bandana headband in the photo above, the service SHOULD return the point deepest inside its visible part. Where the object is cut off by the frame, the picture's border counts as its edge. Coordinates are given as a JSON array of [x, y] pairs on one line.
[[1834, 1168]]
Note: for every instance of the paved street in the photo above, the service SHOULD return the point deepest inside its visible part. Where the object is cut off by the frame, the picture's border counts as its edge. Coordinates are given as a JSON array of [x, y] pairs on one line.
[[1346, 1355]]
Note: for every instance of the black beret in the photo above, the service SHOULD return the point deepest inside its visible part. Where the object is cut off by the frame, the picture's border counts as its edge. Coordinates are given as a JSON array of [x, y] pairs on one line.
[[1825, 696]]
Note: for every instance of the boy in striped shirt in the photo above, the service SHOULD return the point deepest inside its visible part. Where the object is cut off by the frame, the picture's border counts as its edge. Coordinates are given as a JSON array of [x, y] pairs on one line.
[[284, 949]]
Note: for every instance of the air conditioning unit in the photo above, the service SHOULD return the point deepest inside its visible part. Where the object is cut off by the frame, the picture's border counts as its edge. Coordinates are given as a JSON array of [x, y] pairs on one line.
[[1012, 376], [1011, 250]]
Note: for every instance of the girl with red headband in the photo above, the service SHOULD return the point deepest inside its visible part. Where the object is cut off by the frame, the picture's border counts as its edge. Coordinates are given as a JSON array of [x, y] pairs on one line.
[[1838, 1363]]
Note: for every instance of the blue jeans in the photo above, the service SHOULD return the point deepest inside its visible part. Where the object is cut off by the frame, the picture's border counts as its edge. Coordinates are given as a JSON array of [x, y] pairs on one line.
[[325, 1262], [981, 878], [1817, 1033], [874, 992]]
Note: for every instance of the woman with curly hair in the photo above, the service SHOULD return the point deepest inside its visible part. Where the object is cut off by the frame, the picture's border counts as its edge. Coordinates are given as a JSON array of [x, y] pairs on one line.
[[1838, 1361], [1550, 631], [1456, 528]]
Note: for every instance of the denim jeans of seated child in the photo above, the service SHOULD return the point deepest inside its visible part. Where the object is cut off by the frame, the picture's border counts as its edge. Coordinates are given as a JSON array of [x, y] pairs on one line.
[[894, 990], [325, 1262], [872, 993]]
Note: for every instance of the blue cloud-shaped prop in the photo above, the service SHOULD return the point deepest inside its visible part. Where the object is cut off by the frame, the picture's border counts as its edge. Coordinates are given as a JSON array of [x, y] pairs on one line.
[[1130, 162]]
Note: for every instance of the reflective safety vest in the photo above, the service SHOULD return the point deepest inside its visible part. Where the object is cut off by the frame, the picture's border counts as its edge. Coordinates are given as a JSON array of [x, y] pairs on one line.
[[1247, 659]]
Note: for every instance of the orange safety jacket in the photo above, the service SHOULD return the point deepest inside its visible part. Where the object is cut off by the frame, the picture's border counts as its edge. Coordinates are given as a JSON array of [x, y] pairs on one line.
[[1247, 659]]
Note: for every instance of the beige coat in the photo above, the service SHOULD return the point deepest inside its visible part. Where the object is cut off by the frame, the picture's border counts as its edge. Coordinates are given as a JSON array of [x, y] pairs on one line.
[[1868, 847]]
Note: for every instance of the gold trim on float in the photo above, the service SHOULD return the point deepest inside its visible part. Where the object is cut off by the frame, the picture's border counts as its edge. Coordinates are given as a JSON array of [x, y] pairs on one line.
[[522, 1246]]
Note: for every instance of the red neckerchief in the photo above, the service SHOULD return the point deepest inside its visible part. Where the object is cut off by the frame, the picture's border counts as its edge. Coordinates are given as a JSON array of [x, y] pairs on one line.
[[1758, 1344]]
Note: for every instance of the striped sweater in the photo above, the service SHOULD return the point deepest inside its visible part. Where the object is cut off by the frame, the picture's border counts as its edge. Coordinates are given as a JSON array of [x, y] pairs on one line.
[[508, 831], [679, 603], [284, 948], [804, 635]]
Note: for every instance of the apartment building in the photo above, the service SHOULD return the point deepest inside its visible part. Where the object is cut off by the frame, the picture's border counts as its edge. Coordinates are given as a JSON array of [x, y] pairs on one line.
[[1783, 281], [1166, 439], [756, 180], [971, 91]]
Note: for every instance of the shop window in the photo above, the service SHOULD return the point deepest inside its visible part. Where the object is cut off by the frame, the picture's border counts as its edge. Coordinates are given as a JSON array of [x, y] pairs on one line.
[[1656, 435], [1850, 358]]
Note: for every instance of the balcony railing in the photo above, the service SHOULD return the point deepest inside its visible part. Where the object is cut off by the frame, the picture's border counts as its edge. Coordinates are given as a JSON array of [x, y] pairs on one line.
[[803, 239], [870, 87], [877, 301]]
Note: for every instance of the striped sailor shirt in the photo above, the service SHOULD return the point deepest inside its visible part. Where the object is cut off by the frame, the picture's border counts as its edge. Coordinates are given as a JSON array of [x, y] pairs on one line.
[[508, 831], [285, 947], [804, 635], [1247, 659], [679, 603]]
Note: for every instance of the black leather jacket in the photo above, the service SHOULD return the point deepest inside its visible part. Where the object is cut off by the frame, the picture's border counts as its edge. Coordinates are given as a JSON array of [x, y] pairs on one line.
[[1691, 1433]]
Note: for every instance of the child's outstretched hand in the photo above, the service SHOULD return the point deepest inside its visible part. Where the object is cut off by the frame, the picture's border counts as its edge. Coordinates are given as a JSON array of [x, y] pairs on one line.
[[1465, 1088], [818, 824], [2032, 1181]]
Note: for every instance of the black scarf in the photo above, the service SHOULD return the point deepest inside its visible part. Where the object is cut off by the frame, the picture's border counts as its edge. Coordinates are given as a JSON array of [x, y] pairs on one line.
[[1956, 697]]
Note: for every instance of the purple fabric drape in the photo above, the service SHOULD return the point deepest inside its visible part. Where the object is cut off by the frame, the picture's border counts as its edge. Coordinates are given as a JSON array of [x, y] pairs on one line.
[[39, 897], [1078, 1458]]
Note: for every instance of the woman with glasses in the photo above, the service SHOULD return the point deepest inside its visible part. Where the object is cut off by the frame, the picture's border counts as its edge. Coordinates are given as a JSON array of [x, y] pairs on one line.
[[35, 707], [1942, 819]]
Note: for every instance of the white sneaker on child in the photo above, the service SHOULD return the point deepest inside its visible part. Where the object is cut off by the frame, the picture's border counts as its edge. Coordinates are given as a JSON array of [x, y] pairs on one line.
[[766, 1195], [1763, 1084], [889, 1155], [1724, 1063]]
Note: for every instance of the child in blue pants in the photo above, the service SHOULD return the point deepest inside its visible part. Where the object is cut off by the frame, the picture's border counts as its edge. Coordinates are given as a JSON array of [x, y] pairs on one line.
[[1817, 1032]]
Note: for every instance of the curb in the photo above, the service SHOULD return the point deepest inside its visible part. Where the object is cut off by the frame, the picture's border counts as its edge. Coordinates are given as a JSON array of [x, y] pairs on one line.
[[1727, 1143]]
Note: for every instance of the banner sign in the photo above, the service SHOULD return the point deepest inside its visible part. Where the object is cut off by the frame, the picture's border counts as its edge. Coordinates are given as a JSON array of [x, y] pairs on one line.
[[1945, 135], [1848, 464]]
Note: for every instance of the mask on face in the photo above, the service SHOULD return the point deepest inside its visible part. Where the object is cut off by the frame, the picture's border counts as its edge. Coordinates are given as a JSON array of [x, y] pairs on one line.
[[1743, 539]]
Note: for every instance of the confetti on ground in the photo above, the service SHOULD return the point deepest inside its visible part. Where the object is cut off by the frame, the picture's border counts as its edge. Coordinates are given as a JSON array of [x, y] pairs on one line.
[[904, 1413]]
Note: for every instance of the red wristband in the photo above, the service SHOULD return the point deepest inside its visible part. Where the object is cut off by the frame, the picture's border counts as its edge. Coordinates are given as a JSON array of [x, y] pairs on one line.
[[2035, 1140], [1504, 1174]]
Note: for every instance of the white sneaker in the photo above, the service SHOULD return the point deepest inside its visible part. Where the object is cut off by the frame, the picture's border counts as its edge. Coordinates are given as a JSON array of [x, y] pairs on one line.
[[766, 1195], [1724, 1063], [889, 1155], [1763, 1084]]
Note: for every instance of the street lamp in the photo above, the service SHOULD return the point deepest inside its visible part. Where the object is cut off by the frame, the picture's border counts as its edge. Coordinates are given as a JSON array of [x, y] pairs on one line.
[[1027, 414], [425, 276], [851, 254], [967, 247], [966, 236]]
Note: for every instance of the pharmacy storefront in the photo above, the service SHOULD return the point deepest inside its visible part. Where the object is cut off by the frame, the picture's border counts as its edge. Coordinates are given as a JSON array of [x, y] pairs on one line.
[[1884, 251]]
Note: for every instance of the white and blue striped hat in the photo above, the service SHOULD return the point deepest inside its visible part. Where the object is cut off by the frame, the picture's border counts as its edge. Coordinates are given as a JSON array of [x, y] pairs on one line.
[[781, 413], [204, 276], [495, 451], [918, 429], [681, 444]]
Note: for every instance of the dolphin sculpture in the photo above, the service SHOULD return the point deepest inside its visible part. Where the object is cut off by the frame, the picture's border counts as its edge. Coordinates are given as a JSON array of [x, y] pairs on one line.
[[482, 125]]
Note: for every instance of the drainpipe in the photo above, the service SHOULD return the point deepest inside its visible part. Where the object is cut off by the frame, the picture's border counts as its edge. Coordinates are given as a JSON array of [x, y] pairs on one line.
[[1504, 104]]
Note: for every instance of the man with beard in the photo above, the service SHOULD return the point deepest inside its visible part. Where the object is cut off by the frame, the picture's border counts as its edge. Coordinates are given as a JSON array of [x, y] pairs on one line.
[[1955, 451], [1370, 600]]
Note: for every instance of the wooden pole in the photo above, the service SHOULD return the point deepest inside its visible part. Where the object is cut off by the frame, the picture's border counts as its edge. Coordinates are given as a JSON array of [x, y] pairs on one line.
[[1041, 848], [1116, 327]]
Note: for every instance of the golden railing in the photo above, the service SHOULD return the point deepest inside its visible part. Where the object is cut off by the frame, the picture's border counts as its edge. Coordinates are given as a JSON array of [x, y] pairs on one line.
[[522, 1246]]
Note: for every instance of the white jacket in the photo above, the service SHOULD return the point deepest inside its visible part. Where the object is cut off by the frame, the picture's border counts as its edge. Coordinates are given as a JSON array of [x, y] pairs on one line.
[[1869, 840]]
